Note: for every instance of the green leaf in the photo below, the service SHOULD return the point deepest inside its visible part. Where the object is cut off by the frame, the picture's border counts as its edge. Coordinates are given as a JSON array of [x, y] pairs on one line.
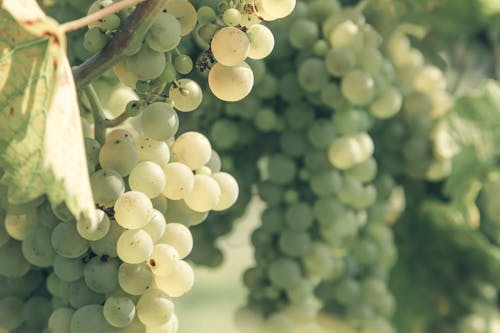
[[41, 140], [470, 134]]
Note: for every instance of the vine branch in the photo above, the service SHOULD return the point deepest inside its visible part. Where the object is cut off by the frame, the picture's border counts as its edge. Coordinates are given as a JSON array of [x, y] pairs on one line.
[[127, 40], [97, 111]]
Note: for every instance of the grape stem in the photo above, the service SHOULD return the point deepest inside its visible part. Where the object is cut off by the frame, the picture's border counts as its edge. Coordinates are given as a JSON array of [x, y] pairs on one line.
[[86, 20], [127, 41], [97, 111]]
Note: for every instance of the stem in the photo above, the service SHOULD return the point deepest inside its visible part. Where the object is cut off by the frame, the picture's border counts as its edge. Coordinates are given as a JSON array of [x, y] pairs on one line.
[[86, 20], [127, 41], [99, 118]]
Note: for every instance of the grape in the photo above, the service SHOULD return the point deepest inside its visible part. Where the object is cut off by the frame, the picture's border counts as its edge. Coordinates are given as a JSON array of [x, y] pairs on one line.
[[387, 103], [135, 279], [231, 17], [118, 155], [184, 11], [119, 99], [261, 41], [186, 95], [107, 186], [183, 64], [107, 244], [156, 226], [94, 232], [303, 33], [346, 34], [225, 134], [284, 273], [179, 282], [154, 308], [92, 148], [159, 121], [94, 40], [67, 242], [124, 75], [68, 270], [147, 177], [230, 46], [164, 260], [37, 311], [230, 84], [133, 210], [180, 180], [312, 75], [119, 311], [193, 149], [89, 318], [340, 61], [179, 237], [60, 320], [358, 87], [293, 243], [205, 195], [20, 223], [298, 216], [164, 34], [37, 248], [326, 183], [205, 15], [278, 8], [321, 133], [152, 150], [11, 312], [229, 190], [134, 246], [101, 275], [147, 64], [134, 327], [282, 169], [347, 151]]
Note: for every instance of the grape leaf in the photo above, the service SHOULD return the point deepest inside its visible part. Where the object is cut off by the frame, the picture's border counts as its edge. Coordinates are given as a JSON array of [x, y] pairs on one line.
[[470, 134], [41, 140]]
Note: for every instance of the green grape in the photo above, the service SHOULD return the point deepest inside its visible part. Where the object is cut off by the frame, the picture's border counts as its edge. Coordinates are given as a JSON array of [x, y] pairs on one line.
[[293, 143], [134, 246], [312, 75], [206, 15], [179, 237], [326, 183], [183, 64], [340, 61], [118, 155], [119, 311], [266, 119], [36, 311], [110, 22], [135, 279], [259, 70], [147, 177], [294, 243], [164, 34], [267, 87], [178, 282], [62, 212], [60, 320], [370, 60], [348, 291], [92, 148], [133, 210], [231, 17], [37, 248], [320, 10], [19, 223], [192, 149], [4, 236], [351, 121], [94, 40], [298, 216], [147, 64], [346, 34], [154, 308], [358, 87], [282, 169], [285, 273], [107, 244], [224, 133], [365, 171], [317, 160], [179, 212], [321, 133], [387, 103], [159, 121], [11, 312], [90, 318], [328, 209], [347, 151], [318, 261], [107, 186], [303, 33], [67, 269], [156, 226], [134, 327], [124, 75], [79, 294], [67, 242], [206, 32], [186, 95], [287, 84], [214, 163], [185, 13], [101, 275]]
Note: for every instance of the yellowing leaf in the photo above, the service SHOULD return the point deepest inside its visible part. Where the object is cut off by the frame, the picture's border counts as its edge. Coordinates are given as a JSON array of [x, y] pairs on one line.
[[41, 140]]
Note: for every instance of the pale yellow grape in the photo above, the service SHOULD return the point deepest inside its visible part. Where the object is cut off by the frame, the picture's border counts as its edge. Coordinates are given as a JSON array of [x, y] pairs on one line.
[[230, 46], [19, 224], [135, 327], [232, 83], [133, 210], [119, 311], [91, 231], [229, 190], [154, 308], [147, 177], [60, 320], [179, 212], [149, 149], [179, 236], [347, 151], [278, 8], [124, 75], [192, 149], [346, 34], [387, 104], [249, 19], [205, 195], [178, 282], [186, 95], [180, 180], [231, 17], [366, 144], [119, 155], [135, 279], [156, 226], [261, 13], [171, 326], [119, 134], [429, 80], [164, 259], [261, 41], [119, 99], [134, 246], [358, 87], [204, 170], [184, 11]]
